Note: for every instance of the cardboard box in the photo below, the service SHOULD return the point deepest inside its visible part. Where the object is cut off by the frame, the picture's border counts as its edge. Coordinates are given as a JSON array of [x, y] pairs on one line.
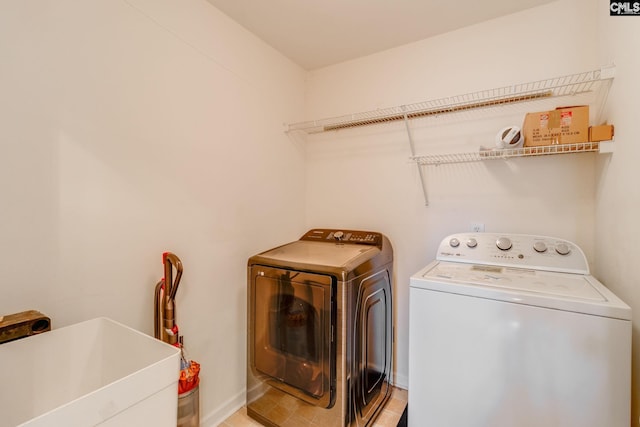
[[601, 133], [566, 125]]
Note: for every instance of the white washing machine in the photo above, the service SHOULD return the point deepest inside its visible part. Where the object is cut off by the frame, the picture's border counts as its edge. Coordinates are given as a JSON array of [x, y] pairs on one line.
[[513, 331]]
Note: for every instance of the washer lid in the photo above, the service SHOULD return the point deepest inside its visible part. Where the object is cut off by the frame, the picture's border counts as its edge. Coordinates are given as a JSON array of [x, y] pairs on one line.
[[565, 291], [321, 253]]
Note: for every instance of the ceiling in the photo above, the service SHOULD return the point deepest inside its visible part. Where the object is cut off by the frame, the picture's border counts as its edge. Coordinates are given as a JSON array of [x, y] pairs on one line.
[[317, 33]]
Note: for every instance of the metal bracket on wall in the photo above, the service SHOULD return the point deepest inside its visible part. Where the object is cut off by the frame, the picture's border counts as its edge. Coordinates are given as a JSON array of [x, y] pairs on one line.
[[413, 154]]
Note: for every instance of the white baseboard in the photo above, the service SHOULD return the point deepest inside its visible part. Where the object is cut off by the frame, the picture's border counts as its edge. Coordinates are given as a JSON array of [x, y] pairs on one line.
[[401, 381], [223, 412]]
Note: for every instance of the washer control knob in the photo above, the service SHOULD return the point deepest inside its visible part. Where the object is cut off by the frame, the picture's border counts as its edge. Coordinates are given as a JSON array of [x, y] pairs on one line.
[[503, 243], [454, 243], [540, 247], [563, 249], [338, 235], [472, 243]]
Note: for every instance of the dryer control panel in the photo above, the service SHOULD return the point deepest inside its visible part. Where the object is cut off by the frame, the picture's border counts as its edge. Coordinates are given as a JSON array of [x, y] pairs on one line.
[[344, 236], [514, 250]]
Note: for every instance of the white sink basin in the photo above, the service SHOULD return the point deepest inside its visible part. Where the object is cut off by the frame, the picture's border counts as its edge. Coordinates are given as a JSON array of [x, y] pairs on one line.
[[97, 372]]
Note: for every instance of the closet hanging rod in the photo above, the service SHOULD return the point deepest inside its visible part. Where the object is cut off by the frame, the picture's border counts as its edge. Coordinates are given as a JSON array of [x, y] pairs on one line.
[[443, 110]]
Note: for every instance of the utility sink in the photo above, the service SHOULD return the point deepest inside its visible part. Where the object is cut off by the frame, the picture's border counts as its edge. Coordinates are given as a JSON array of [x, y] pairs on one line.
[[97, 372]]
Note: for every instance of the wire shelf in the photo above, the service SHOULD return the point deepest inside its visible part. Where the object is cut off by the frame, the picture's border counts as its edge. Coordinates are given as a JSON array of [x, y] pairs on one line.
[[497, 154], [595, 82]]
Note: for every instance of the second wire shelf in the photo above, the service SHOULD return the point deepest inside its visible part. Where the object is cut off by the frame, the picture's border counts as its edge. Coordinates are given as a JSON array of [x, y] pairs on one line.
[[450, 158]]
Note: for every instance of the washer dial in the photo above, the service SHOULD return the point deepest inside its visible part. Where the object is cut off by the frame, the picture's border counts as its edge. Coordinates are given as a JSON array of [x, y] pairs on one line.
[[563, 249], [504, 243], [540, 247]]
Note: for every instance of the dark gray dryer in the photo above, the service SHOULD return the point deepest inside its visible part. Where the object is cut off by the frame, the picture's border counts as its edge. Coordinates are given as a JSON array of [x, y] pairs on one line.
[[320, 330]]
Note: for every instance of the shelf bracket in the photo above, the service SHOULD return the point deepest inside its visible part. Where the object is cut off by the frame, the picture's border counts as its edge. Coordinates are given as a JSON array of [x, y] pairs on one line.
[[413, 153]]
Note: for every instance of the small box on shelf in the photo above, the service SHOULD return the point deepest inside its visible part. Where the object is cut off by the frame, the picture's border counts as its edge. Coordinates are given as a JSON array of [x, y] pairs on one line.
[[565, 125], [601, 133]]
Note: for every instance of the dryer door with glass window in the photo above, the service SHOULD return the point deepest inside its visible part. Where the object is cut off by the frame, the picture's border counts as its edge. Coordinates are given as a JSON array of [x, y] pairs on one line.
[[292, 316]]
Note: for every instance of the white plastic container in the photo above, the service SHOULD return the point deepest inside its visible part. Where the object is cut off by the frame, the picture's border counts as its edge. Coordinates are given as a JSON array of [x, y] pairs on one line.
[[97, 372]]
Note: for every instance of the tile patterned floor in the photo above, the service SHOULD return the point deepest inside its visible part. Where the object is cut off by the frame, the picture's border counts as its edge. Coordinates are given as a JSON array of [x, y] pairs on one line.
[[389, 416]]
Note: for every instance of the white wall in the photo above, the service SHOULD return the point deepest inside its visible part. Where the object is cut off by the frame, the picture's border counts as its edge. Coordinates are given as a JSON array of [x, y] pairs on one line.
[[618, 195], [362, 178], [130, 128]]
